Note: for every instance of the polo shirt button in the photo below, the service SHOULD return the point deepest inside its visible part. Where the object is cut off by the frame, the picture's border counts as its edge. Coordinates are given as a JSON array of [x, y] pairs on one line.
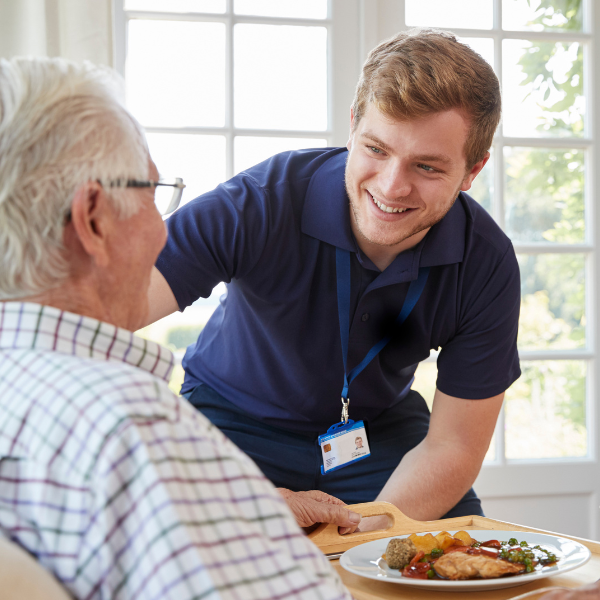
[[365, 317]]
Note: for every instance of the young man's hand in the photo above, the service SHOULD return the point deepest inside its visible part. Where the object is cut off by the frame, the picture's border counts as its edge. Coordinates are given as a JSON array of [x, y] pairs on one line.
[[314, 507]]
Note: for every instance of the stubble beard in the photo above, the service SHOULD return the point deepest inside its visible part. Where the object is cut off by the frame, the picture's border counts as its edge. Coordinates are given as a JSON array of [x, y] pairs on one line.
[[416, 228]]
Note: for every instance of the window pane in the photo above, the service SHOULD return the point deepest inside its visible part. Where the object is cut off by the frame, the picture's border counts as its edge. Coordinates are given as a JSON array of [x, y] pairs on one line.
[[176, 73], [198, 159], [425, 384], [192, 6], [249, 151], [425, 381], [179, 330], [286, 89], [542, 15], [307, 9], [483, 46], [546, 411], [482, 188], [473, 14], [545, 195], [552, 301], [543, 88]]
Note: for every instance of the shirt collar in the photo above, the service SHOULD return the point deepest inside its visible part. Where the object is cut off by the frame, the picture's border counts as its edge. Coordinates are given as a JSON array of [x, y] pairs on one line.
[[29, 326], [444, 244], [326, 216], [326, 212]]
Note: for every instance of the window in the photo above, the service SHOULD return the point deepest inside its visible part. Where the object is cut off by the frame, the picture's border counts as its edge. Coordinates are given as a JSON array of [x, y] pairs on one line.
[[220, 86], [539, 188], [535, 187]]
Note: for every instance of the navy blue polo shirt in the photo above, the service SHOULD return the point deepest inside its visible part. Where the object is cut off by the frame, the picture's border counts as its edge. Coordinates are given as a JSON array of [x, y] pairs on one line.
[[273, 348]]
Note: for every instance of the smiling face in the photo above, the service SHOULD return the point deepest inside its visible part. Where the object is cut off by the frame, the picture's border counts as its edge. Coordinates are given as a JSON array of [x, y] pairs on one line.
[[402, 177]]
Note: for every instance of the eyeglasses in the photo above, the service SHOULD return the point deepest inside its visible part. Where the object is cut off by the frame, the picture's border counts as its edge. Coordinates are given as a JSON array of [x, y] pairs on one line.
[[166, 200]]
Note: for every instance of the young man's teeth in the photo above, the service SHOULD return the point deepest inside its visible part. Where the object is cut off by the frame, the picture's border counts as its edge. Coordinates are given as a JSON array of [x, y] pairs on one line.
[[388, 209]]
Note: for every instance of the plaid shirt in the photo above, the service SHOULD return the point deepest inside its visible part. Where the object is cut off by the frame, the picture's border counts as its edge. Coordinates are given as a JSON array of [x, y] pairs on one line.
[[122, 489]]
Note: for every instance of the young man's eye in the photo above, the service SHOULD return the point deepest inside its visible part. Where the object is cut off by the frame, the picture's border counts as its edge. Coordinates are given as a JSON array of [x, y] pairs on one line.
[[375, 150], [427, 168]]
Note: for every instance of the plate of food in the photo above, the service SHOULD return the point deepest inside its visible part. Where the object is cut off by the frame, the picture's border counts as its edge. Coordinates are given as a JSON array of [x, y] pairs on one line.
[[465, 561]]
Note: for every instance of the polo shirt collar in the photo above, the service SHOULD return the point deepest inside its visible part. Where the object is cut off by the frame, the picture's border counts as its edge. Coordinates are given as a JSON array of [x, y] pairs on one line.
[[326, 217], [29, 326], [326, 212], [445, 242]]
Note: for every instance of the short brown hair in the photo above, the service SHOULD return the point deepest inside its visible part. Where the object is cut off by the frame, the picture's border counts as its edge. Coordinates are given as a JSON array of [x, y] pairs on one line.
[[424, 71]]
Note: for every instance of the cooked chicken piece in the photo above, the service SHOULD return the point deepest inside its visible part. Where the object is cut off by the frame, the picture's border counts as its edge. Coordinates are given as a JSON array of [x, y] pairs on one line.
[[399, 553], [459, 565]]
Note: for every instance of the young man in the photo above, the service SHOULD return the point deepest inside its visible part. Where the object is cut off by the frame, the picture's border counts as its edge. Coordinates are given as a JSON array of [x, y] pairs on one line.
[[345, 267], [118, 487]]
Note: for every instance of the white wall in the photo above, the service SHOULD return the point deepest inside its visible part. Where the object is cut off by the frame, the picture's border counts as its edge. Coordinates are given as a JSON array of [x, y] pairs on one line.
[[75, 29]]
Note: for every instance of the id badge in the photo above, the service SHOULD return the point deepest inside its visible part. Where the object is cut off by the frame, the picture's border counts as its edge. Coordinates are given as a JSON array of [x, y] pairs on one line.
[[343, 445]]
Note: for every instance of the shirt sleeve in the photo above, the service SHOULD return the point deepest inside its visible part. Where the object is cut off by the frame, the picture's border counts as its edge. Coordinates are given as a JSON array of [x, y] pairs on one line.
[[482, 360], [216, 237], [181, 513]]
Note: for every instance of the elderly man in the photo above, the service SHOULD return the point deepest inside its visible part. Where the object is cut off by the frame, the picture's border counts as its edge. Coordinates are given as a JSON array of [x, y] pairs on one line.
[[118, 487]]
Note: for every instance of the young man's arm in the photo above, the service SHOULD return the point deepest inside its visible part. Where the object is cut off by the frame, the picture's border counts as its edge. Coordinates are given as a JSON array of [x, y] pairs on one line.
[[161, 300], [437, 473]]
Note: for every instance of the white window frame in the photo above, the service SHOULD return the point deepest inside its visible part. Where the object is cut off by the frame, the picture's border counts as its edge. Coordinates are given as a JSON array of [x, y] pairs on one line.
[[341, 70]]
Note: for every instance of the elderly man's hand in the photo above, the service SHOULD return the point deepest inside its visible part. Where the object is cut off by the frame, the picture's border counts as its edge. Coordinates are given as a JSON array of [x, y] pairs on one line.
[[589, 592], [314, 507]]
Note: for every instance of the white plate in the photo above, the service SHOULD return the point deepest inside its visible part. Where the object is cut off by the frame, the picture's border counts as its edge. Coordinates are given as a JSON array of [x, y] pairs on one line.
[[365, 560]]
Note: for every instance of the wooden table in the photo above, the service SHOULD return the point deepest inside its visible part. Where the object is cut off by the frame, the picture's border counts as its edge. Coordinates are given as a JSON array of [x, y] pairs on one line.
[[328, 540]]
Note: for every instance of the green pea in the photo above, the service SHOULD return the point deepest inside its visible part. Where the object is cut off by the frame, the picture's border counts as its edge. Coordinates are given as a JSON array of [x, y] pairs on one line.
[[431, 574]]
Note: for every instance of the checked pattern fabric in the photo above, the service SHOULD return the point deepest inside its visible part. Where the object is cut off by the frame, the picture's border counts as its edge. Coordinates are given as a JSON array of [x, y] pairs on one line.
[[122, 489]]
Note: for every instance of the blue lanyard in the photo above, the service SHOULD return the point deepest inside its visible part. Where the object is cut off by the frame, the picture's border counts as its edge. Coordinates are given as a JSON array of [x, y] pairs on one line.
[[342, 267]]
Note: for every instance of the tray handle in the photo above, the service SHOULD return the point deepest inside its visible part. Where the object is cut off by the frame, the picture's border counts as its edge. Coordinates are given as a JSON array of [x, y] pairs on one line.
[[327, 538]]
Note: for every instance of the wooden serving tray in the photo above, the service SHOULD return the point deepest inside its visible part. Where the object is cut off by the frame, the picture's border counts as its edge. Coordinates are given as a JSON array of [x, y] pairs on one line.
[[326, 537]]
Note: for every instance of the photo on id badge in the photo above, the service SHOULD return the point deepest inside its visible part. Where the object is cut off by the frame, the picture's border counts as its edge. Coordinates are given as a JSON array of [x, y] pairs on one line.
[[344, 447]]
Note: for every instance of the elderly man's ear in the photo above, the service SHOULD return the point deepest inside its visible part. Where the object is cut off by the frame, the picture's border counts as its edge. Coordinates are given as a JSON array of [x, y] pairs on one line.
[[91, 225]]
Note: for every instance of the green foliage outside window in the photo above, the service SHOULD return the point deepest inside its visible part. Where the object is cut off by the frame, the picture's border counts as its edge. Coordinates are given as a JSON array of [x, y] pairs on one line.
[[545, 188], [545, 202], [179, 338]]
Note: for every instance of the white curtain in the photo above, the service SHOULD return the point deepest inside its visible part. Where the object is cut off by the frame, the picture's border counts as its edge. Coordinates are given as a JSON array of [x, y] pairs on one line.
[[74, 29]]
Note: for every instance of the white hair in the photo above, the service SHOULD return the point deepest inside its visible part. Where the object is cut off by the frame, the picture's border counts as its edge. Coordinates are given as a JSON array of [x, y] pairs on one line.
[[61, 126]]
